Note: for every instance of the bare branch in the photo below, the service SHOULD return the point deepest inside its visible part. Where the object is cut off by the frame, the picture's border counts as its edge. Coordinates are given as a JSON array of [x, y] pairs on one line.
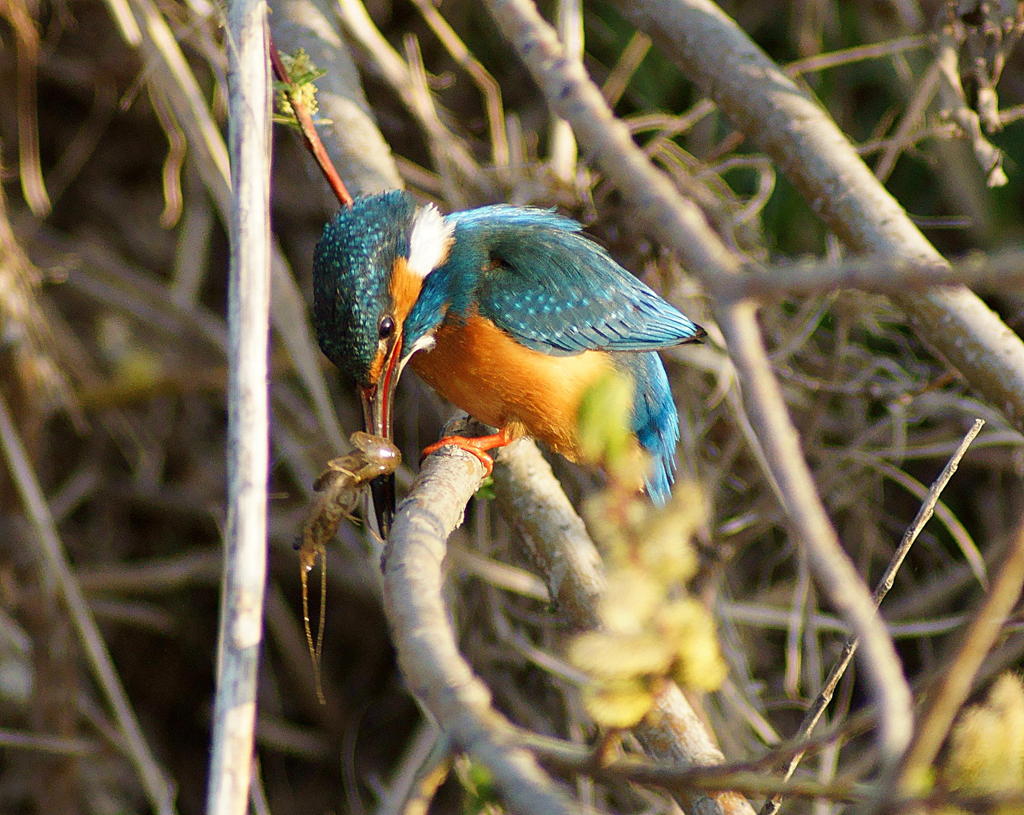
[[428, 653], [241, 615], [533, 503]]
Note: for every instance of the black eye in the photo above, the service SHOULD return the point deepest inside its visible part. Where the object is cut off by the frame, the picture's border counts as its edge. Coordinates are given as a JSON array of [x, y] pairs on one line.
[[386, 327]]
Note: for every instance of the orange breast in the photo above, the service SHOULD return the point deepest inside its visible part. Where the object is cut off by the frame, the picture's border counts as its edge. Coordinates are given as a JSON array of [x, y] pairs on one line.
[[482, 370]]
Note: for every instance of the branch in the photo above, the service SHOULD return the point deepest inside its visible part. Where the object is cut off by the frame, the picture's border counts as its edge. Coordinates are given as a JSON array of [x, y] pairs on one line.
[[679, 224], [428, 654], [241, 615], [536, 507], [999, 270], [793, 128]]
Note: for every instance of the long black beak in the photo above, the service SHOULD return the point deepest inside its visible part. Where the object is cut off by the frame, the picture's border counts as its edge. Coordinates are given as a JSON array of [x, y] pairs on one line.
[[377, 419], [378, 401]]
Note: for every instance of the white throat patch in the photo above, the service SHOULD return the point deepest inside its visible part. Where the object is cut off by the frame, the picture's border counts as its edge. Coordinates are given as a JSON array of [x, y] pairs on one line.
[[429, 242]]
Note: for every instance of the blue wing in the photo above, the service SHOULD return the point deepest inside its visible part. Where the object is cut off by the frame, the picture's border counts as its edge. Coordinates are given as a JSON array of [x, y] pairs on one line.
[[556, 291]]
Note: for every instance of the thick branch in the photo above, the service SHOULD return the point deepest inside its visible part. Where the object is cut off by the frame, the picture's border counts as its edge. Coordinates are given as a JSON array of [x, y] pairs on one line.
[[534, 505], [428, 653]]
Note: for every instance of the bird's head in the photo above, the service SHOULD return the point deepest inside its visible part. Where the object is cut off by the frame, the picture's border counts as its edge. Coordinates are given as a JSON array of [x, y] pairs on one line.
[[368, 272]]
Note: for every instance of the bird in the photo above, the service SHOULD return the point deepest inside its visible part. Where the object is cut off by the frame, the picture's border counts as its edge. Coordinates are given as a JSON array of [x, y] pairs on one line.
[[508, 312]]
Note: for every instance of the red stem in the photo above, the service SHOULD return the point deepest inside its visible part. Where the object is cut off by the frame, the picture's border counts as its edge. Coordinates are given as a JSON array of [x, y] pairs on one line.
[[308, 130]]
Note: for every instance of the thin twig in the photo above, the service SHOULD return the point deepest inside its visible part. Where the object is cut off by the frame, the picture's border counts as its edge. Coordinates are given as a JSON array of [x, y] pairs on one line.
[[241, 614], [308, 129], [858, 53], [427, 650], [350, 134], [52, 745], [944, 700], [824, 697], [924, 91], [629, 61], [154, 782]]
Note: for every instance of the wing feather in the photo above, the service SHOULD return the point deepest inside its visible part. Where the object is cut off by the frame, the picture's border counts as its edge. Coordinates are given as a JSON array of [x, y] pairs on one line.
[[556, 291]]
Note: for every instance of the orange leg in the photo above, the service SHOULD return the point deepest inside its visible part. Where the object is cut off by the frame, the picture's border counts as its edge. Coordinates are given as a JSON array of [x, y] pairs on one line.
[[475, 445]]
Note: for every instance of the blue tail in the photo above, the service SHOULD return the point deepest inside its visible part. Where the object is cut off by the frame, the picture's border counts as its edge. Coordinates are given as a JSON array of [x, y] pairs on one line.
[[655, 420]]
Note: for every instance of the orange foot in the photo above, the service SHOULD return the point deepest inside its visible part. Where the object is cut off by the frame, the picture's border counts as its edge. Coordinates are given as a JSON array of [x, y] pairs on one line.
[[475, 445]]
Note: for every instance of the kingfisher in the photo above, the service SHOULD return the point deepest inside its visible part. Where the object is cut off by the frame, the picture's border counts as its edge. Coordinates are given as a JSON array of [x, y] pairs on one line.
[[508, 312]]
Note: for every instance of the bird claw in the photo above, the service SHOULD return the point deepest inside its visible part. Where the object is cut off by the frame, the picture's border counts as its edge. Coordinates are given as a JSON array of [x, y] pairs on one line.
[[476, 446]]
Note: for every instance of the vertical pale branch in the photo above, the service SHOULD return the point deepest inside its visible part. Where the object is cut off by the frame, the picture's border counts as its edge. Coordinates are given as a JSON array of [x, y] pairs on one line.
[[241, 618], [678, 223]]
